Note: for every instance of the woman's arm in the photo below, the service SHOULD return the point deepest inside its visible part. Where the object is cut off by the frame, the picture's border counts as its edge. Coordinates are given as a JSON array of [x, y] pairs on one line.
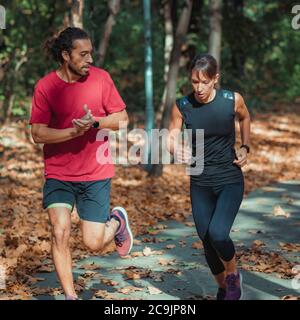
[[182, 154], [243, 116], [174, 128]]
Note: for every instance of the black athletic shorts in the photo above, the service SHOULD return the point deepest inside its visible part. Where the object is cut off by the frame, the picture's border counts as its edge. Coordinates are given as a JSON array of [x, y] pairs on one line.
[[92, 198]]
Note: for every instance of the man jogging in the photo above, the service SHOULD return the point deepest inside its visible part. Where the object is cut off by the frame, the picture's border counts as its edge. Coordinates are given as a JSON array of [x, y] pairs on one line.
[[70, 105]]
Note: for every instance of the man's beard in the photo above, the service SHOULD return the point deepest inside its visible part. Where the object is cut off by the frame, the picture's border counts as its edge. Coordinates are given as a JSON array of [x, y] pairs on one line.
[[76, 71]]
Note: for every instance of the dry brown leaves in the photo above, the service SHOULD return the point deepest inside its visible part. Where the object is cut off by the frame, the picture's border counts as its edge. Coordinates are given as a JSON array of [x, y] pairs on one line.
[[291, 247], [255, 259], [24, 227]]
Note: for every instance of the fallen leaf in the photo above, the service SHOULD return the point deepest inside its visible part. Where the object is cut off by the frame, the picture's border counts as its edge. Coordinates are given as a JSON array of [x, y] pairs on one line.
[[170, 246], [90, 266], [135, 273], [147, 252], [197, 245], [103, 294], [156, 276], [255, 231], [291, 247], [278, 211], [153, 290], [258, 243], [174, 271], [136, 254], [290, 297], [166, 262], [46, 269], [190, 224], [109, 282], [129, 289]]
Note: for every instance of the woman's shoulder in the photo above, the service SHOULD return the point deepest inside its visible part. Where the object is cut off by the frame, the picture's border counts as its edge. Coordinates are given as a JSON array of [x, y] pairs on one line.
[[227, 94], [184, 101]]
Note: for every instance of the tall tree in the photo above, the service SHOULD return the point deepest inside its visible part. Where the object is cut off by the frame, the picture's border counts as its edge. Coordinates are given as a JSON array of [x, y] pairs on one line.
[[181, 32], [180, 35], [235, 26], [148, 74], [8, 105], [114, 8], [215, 35], [168, 6], [73, 18]]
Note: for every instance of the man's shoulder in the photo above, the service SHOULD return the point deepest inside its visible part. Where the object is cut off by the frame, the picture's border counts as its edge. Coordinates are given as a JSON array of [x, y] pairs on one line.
[[100, 72], [43, 82]]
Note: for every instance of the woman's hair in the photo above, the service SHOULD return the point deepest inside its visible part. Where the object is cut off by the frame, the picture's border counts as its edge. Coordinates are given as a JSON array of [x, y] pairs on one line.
[[63, 42], [205, 63]]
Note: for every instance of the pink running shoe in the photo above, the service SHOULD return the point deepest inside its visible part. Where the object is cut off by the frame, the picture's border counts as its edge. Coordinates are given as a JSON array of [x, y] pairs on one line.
[[123, 237]]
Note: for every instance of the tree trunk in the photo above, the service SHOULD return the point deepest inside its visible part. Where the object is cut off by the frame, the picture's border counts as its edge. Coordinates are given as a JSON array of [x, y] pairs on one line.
[[10, 95], [114, 8], [234, 21], [73, 18], [169, 42], [169, 36], [215, 36], [181, 32]]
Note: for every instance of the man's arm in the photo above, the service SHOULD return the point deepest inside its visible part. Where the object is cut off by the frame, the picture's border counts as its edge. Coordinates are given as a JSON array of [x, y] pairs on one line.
[[42, 134], [112, 121]]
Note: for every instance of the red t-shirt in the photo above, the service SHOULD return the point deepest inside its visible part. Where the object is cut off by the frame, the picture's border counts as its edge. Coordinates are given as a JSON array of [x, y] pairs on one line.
[[55, 103]]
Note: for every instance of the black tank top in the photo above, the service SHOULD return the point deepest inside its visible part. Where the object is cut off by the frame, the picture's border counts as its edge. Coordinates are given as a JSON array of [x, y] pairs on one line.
[[217, 119]]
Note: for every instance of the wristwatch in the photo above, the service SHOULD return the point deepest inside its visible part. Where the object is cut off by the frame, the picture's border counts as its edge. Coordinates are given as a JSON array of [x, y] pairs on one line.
[[246, 147], [96, 124]]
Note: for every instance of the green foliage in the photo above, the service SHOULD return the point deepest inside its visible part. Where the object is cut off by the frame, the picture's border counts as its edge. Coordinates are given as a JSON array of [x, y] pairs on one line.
[[260, 50]]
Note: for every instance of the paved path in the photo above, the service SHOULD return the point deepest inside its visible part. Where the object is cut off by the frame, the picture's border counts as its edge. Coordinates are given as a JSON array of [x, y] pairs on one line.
[[178, 271]]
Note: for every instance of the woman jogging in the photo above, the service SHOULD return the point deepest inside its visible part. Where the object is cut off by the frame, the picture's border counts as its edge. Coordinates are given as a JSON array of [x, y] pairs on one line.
[[216, 193]]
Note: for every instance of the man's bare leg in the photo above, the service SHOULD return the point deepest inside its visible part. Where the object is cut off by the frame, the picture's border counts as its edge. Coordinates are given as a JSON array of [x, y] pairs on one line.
[[60, 219], [97, 235]]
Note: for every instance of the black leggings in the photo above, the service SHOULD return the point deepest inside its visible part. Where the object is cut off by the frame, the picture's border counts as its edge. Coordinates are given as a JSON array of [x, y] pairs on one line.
[[214, 210]]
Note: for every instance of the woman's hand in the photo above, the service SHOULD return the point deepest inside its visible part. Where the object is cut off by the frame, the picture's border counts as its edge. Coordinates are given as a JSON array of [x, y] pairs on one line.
[[183, 155], [241, 157]]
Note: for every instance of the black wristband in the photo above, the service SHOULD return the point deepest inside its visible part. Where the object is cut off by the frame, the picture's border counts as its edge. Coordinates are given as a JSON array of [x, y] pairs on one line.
[[96, 124], [246, 147]]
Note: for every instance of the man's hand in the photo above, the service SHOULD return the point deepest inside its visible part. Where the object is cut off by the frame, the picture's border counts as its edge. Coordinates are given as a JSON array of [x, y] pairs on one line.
[[85, 123], [242, 157]]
